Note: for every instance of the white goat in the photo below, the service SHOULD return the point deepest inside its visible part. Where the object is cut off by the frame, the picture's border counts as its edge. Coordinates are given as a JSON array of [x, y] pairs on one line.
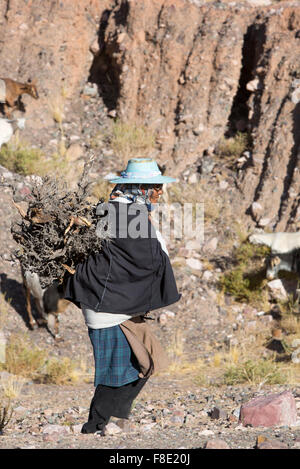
[[49, 302], [8, 127], [285, 251], [280, 243]]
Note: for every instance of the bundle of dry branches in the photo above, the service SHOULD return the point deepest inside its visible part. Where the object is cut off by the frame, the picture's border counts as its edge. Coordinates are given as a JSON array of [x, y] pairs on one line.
[[57, 228]]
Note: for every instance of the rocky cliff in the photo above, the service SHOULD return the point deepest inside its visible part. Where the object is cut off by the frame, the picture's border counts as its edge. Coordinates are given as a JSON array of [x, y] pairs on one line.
[[193, 72]]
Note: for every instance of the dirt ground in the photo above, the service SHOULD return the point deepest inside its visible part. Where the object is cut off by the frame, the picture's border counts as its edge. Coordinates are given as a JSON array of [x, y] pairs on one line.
[[173, 411]]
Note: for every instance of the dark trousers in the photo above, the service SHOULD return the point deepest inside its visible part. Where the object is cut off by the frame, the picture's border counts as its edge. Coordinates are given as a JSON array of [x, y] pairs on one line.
[[109, 402]]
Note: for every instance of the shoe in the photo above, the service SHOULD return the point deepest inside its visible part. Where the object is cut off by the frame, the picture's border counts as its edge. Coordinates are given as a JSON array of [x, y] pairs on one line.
[[98, 428]]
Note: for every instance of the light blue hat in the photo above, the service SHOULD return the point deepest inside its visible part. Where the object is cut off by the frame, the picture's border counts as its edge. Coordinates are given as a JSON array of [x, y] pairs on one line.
[[142, 170]]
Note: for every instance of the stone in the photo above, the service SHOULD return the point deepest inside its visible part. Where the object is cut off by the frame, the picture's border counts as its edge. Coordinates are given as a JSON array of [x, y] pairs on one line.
[[253, 85], [218, 413], [170, 314], [163, 319], [256, 210], [2, 347], [192, 245], [20, 410], [272, 444], [211, 245], [51, 437], [126, 425], [183, 252], [206, 433], [223, 185], [193, 179], [148, 427], [295, 357], [177, 417], [53, 429], [207, 275], [194, 263], [112, 113], [267, 411], [264, 221], [48, 412], [277, 290], [90, 89], [295, 343], [295, 97], [74, 152], [207, 165], [77, 428], [216, 444], [257, 3], [112, 429], [266, 318]]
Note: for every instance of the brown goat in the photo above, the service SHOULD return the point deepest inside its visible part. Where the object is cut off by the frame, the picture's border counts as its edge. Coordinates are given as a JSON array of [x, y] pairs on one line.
[[13, 93]]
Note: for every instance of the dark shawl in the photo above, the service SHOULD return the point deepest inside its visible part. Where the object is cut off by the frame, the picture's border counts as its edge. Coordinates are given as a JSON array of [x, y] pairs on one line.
[[131, 274]]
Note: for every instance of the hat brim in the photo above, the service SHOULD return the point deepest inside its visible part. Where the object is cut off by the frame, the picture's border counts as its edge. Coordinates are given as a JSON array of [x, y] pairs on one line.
[[153, 180]]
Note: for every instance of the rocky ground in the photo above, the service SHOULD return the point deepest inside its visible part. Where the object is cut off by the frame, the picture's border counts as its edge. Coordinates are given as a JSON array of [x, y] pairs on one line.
[[179, 409]]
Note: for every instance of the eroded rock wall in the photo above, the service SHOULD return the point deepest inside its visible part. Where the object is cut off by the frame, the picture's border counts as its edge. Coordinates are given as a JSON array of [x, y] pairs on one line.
[[48, 41], [196, 73]]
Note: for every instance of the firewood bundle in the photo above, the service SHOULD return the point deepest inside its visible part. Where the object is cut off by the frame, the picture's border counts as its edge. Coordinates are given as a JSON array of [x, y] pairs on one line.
[[57, 229]]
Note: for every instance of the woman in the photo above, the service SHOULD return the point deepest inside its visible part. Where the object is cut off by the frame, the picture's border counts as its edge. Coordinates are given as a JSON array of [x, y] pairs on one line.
[[117, 287]]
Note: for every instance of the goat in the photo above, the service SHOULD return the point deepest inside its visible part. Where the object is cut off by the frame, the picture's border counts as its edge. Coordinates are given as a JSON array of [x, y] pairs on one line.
[[49, 302], [11, 92], [285, 251], [8, 127]]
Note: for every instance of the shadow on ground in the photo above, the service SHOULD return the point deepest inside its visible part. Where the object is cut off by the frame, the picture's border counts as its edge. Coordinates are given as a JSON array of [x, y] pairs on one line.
[[13, 292]]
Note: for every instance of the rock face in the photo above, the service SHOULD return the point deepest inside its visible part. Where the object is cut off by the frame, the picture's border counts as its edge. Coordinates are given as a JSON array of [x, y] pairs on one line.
[[48, 42], [193, 72], [266, 411]]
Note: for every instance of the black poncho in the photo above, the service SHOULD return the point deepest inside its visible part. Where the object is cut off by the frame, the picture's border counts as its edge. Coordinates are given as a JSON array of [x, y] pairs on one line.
[[131, 274]]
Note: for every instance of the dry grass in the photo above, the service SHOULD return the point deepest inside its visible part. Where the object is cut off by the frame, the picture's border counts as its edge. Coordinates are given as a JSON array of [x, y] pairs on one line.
[[131, 140], [10, 389], [19, 157], [56, 105], [102, 189], [11, 386], [61, 372], [254, 372], [232, 148], [6, 412], [246, 281], [4, 311], [24, 359]]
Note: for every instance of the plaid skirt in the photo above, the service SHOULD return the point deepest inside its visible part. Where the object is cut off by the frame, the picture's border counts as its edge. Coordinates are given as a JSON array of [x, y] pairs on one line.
[[115, 363]]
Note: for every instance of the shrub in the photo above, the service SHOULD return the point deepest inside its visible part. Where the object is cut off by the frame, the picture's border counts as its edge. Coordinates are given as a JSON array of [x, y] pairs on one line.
[[233, 147], [29, 361], [61, 371], [6, 412], [246, 280], [254, 372], [23, 358], [22, 159]]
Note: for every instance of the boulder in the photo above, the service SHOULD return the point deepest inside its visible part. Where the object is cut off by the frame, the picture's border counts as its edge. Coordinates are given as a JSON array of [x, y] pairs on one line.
[[266, 411], [194, 264], [216, 444]]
